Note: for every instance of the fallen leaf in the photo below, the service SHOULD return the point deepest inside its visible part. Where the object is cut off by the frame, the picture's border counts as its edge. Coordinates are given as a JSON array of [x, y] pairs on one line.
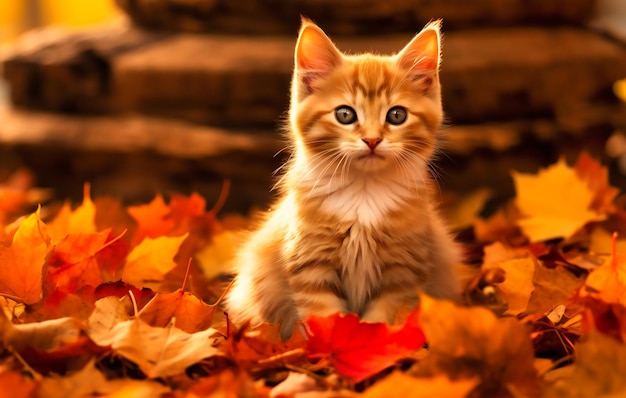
[[149, 262], [152, 219], [89, 381], [567, 210], [601, 242], [73, 261], [216, 257], [500, 226], [552, 287], [45, 336], [295, 383], [598, 372], [359, 350], [608, 282], [517, 286], [471, 342], [159, 352], [465, 210], [19, 385], [68, 221], [262, 348], [23, 261], [108, 312], [227, 384], [187, 311], [407, 386], [597, 178]]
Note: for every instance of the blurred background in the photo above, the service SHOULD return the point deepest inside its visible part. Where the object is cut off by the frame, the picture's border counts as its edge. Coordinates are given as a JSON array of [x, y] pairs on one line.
[[146, 96]]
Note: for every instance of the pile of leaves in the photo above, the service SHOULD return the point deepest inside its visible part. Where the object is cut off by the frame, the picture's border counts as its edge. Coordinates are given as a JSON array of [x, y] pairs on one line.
[[108, 300]]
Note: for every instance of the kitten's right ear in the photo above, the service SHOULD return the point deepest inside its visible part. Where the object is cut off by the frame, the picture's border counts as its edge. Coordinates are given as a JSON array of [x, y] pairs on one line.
[[316, 56]]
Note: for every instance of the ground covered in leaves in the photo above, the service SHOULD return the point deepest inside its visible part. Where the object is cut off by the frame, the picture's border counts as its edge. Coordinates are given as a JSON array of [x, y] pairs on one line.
[[101, 299]]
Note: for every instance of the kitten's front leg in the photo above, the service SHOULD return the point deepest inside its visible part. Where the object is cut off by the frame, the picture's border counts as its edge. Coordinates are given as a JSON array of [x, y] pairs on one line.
[[316, 291], [385, 307]]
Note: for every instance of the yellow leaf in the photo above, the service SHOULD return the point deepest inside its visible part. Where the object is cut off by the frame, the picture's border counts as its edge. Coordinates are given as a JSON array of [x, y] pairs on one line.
[[555, 202], [216, 257], [147, 264]]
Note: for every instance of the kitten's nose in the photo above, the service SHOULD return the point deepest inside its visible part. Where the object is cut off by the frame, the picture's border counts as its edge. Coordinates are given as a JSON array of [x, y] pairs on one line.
[[372, 142]]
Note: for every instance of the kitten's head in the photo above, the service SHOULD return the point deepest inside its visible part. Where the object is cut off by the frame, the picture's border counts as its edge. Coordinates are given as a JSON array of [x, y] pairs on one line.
[[365, 113]]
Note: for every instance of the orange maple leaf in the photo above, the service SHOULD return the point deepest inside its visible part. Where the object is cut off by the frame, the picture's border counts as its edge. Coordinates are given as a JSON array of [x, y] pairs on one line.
[[189, 313], [152, 219], [74, 262], [22, 263], [597, 178], [608, 282], [359, 350]]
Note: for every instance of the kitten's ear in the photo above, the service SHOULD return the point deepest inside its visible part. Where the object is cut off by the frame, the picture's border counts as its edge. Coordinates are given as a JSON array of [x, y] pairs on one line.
[[422, 56], [316, 56]]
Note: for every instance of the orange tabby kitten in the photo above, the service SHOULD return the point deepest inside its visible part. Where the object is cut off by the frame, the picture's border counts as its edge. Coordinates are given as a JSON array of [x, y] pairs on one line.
[[356, 229]]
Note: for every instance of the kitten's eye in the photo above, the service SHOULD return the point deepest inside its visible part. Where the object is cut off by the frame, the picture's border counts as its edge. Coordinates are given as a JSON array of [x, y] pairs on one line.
[[396, 115], [345, 115]]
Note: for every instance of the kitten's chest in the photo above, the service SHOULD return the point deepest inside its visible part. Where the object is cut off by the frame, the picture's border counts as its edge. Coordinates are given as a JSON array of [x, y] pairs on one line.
[[366, 202]]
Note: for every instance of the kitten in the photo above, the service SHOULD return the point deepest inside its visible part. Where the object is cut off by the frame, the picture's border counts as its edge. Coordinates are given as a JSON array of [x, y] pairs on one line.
[[356, 228]]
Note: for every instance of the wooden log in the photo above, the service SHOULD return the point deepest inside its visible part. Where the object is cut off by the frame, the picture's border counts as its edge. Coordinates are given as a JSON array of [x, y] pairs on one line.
[[349, 16], [242, 81]]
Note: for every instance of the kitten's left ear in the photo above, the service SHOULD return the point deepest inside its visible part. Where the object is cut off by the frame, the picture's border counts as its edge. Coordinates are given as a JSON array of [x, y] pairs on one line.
[[421, 56]]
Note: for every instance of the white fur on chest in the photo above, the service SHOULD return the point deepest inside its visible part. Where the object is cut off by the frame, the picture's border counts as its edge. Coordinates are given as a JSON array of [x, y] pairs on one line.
[[364, 204], [365, 201]]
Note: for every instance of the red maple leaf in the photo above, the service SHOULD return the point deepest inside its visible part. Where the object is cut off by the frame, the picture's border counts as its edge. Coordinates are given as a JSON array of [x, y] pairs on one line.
[[359, 350]]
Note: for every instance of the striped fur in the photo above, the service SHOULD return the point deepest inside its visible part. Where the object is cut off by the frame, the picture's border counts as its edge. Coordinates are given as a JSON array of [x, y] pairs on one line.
[[356, 230]]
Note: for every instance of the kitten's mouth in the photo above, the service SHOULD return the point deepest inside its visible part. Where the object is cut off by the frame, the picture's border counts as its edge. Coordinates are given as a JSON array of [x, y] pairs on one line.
[[371, 155]]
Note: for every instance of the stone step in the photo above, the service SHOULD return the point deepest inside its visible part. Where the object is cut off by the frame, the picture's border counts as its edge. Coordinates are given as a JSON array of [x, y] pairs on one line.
[[349, 16], [487, 74]]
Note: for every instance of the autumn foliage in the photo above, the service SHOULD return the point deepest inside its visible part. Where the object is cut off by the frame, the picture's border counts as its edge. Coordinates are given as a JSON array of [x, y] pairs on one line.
[[101, 299]]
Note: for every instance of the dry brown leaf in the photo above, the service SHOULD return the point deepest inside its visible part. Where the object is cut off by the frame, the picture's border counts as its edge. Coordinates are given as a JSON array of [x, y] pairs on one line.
[[160, 352], [598, 372], [108, 312], [471, 342], [45, 336], [553, 286]]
